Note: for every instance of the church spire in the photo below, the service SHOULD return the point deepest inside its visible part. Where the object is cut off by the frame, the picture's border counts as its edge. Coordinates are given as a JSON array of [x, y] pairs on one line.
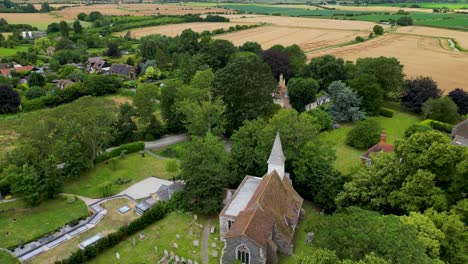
[[277, 159]]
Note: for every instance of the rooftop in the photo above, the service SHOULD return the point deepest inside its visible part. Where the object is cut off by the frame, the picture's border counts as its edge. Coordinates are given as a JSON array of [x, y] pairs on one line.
[[243, 195]]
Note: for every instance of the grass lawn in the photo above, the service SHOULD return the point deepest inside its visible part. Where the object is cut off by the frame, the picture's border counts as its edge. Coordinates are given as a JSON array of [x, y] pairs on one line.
[[110, 223], [13, 51], [6, 258], [161, 234], [32, 223], [348, 158], [172, 151], [133, 168], [300, 247]]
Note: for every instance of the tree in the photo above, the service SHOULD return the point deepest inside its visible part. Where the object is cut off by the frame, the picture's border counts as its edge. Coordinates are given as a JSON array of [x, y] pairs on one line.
[[144, 101], [64, 30], [354, 233], [323, 118], [368, 88], [77, 28], [45, 8], [302, 91], [203, 79], [245, 85], [441, 109], [51, 177], [404, 21], [416, 128], [364, 134], [102, 84], [251, 46], [297, 58], [154, 130], [113, 50], [417, 91], [345, 104], [378, 30], [460, 98], [124, 127], [204, 169], [168, 108], [42, 43], [187, 41], [10, 99], [279, 63], [314, 175], [217, 53], [27, 184], [34, 92], [205, 117], [325, 69], [36, 79]]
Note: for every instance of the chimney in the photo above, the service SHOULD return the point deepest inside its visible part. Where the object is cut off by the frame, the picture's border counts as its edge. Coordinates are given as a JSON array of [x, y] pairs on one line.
[[383, 137]]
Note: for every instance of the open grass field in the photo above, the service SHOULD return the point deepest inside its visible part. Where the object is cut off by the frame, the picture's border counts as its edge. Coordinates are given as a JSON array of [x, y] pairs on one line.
[[133, 168], [13, 51], [348, 158], [34, 222], [6, 258], [176, 29], [139, 10], [161, 234], [420, 55], [111, 222]]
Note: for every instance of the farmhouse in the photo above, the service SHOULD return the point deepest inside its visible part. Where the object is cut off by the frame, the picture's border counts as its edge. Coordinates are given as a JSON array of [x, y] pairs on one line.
[[96, 65], [16, 68], [123, 69], [460, 134], [260, 218], [381, 146]]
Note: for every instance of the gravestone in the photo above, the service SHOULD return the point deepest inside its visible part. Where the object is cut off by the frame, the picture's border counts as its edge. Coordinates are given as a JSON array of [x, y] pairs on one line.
[[214, 253], [177, 236], [189, 261], [182, 259], [172, 254], [175, 245], [166, 253], [155, 249], [310, 237], [142, 236], [195, 243], [213, 245], [195, 262], [117, 255], [195, 217], [212, 230], [191, 231], [177, 259], [134, 241]]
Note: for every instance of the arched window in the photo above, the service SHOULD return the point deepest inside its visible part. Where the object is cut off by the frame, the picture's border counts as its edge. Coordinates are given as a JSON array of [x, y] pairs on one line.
[[243, 254]]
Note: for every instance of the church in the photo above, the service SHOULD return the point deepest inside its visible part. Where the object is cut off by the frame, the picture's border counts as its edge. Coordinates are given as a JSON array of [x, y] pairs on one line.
[[260, 217]]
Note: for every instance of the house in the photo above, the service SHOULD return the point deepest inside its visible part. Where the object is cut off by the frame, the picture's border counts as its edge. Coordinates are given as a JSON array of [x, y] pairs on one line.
[[16, 68], [96, 65], [281, 96], [33, 35], [259, 220], [61, 84], [123, 69], [163, 193], [50, 51], [460, 134], [381, 146], [320, 101]]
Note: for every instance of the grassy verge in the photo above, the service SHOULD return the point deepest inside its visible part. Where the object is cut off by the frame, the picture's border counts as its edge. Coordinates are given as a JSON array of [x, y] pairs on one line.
[[6, 258], [163, 235], [133, 168], [34, 222], [348, 158], [172, 151], [110, 223], [12, 51]]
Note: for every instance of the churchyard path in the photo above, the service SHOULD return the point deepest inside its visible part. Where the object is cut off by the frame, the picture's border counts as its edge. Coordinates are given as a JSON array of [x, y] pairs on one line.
[[163, 142], [206, 241]]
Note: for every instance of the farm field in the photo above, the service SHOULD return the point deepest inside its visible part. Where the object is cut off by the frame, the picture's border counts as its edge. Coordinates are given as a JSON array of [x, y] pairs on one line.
[[138, 10], [306, 38], [34, 222], [427, 5], [378, 8], [39, 20], [176, 29], [459, 36], [13, 51]]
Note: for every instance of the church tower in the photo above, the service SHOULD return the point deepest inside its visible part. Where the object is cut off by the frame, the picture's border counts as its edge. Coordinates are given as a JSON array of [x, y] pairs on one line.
[[277, 159]]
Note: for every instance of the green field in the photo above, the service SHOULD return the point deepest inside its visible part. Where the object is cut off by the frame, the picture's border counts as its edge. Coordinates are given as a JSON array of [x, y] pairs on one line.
[[6, 258], [447, 20], [173, 151], [348, 158], [12, 51], [32, 223], [161, 234], [133, 168], [428, 5]]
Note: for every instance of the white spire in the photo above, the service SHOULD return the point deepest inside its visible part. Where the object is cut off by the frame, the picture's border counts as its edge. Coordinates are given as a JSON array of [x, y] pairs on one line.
[[277, 159]]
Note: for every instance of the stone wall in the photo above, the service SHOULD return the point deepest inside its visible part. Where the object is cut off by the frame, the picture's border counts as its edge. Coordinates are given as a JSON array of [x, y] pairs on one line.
[[257, 255], [224, 226]]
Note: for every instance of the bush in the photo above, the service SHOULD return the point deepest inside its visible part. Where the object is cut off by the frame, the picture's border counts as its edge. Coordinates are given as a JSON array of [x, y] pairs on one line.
[[128, 148], [324, 119], [405, 21], [364, 135], [386, 112], [359, 39], [378, 30], [441, 109], [417, 128], [34, 92], [34, 104], [440, 126]]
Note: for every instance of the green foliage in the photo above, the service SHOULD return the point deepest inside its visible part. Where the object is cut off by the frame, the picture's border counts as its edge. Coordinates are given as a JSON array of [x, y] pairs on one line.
[[416, 128], [386, 112], [378, 30], [364, 134], [168, 108], [144, 101], [34, 92], [325, 69], [245, 85], [129, 148], [441, 109], [440, 126], [106, 189], [405, 21], [36, 79], [368, 88], [124, 128], [345, 104], [297, 58], [204, 170], [323, 118], [205, 117], [302, 91], [359, 39], [154, 130]]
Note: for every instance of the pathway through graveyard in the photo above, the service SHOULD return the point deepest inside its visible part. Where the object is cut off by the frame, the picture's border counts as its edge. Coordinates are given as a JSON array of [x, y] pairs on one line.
[[206, 241]]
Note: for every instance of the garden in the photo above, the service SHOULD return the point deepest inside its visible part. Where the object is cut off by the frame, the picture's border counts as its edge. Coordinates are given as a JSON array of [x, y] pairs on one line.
[[20, 224]]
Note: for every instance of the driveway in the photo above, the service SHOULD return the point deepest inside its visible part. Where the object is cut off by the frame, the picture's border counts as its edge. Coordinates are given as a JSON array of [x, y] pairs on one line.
[[161, 143], [145, 187]]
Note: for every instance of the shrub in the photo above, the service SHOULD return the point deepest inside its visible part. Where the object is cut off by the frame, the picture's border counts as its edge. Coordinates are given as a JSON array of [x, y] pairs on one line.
[[128, 148], [365, 134], [441, 109], [34, 104], [324, 119], [417, 128], [440, 126], [405, 21], [386, 112], [378, 30], [34, 92], [359, 39]]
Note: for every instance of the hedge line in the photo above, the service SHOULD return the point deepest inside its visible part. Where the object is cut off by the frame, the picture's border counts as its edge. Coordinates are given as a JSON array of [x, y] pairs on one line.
[[129, 148], [386, 112], [437, 125], [154, 214]]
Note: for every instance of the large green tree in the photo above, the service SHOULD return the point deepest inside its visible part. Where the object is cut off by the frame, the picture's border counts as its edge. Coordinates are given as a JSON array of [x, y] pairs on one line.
[[346, 104], [368, 88], [325, 69], [302, 91], [246, 86], [145, 101], [441, 109]]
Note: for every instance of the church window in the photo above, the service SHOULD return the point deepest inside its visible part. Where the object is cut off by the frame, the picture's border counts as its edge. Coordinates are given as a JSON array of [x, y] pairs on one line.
[[243, 254], [230, 223]]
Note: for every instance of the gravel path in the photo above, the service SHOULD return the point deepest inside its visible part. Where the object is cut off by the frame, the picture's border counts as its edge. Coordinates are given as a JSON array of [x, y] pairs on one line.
[[206, 241]]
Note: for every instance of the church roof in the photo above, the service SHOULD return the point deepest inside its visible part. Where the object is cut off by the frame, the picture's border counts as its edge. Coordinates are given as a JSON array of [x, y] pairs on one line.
[[277, 155], [274, 201]]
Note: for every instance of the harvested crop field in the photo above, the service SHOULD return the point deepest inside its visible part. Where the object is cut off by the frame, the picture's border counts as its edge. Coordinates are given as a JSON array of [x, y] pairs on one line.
[[379, 8], [460, 36], [139, 10], [39, 20], [175, 29], [420, 55], [307, 38]]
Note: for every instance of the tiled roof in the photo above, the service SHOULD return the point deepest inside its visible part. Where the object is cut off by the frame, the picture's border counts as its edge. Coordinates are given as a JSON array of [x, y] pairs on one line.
[[274, 199], [381, 146], [17, 69]]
